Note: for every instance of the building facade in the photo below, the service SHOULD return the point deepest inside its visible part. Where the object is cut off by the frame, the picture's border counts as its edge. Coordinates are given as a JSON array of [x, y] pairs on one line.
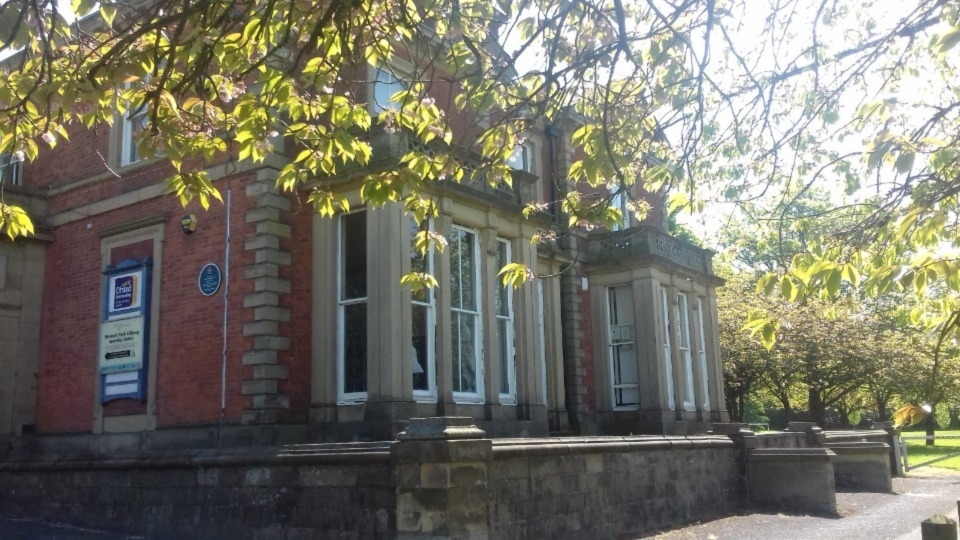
[[131, 314]]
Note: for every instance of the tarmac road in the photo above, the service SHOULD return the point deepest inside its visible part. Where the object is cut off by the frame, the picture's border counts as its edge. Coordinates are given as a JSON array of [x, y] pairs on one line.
[[864, 516]]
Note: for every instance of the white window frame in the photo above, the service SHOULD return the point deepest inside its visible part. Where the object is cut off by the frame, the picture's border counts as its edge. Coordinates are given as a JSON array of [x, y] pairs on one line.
[[619, 201], [702, 356], [401, 71], [667, 359], [128, 144], [11, 170], [525, 152], [506, 322], [430, 394], [475, 396], [542, 340], [344, 397], [685, 347], [612, 343]]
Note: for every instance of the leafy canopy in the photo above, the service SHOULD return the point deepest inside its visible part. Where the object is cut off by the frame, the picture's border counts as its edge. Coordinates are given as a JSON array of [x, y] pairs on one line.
[[710, 100]]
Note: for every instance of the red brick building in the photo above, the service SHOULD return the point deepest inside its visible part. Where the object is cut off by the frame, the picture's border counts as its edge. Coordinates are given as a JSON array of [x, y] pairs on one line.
[[308, 335]]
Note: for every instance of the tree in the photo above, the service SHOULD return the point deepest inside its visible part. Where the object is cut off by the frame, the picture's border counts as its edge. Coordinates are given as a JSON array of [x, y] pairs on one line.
[[744, 360], [691, 97]]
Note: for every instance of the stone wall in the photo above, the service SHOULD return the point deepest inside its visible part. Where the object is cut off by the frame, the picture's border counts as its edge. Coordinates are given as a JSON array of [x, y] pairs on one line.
[[333, 491], [441, 479], [608, 487]]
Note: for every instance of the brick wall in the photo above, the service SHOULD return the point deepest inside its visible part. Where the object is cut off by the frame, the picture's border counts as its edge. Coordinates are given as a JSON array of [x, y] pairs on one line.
[[190, 338]]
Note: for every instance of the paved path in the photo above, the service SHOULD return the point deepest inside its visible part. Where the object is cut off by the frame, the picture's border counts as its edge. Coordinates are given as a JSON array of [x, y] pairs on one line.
[[864, 516], [30, 529]]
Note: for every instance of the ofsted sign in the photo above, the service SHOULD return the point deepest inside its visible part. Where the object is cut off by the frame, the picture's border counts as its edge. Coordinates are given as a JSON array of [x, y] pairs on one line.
[[125, 292]]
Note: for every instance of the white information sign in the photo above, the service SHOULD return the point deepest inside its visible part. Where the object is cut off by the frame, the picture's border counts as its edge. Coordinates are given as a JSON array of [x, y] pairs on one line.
[[121, 345]]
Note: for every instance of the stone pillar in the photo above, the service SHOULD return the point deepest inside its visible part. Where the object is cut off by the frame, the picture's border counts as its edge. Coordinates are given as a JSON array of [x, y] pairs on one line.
[[893, 439], [267, 403], [574, 348], [744, 440], [938, 527], [815, 436], [441, 466]]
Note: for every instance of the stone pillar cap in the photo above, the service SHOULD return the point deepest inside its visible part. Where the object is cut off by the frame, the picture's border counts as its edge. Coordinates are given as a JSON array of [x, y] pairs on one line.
[[441, 427], [730, 428], [803, 426]]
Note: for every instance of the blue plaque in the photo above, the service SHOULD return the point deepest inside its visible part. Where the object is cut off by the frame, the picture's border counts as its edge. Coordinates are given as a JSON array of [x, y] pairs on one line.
[[210, 279]]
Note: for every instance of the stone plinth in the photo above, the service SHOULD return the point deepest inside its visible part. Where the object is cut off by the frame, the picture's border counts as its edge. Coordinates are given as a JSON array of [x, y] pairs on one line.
[[863, 466], [441, 466], [792, 480]]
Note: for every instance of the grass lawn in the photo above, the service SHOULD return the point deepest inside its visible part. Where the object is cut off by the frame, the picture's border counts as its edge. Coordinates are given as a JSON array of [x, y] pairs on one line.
[[918, 452]]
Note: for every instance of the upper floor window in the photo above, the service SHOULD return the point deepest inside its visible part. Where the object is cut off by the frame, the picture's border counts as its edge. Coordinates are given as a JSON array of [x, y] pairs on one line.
[[618, 200], [11, 170], [386, 84], [134, 122], [522, 158]]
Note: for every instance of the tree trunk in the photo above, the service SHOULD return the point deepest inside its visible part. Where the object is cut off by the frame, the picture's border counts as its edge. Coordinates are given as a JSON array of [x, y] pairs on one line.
[[882, 414], [931, 423], [785, 401], [818, 412], [844, 417]]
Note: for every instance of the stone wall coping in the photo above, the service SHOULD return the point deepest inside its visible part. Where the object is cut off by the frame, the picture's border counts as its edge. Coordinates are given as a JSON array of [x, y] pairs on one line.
[[788, 455], [859, 448], [320, 454], [860, 434], [509, 448]]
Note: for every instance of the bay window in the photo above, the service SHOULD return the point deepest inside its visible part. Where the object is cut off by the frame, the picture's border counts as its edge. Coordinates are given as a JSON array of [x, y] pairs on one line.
[[683, 335], [423, 317], [504, 316], [465, 314], [352, 307], [623, 359]]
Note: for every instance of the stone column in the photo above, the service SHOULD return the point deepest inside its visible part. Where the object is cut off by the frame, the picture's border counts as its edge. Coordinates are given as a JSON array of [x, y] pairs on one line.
[[268, 404], [441, 466], [744, 440], [893, 439]]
